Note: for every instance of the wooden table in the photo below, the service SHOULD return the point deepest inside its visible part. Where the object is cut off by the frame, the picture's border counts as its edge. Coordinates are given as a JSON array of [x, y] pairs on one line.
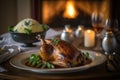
[[95, 73], [99, 72]]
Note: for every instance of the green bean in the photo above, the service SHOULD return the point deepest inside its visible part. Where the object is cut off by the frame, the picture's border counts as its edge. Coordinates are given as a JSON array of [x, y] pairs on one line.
[[48, 64], [52, 66], [33, 63], [43, 66], [36, 61], [39, 65]]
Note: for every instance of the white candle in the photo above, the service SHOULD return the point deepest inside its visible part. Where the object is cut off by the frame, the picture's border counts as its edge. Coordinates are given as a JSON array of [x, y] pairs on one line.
[[89, 38]]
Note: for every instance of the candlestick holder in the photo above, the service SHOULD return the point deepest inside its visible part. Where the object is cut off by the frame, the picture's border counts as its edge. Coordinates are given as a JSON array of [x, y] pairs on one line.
[[79, 32], [67, 34]]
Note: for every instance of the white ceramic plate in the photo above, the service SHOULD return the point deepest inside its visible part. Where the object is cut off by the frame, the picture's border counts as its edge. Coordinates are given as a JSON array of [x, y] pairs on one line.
[[18, 62]]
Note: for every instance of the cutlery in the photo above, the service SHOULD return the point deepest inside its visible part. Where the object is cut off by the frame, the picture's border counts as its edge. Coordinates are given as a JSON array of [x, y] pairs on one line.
[[116, 62], [2, 69], [110, 67], [113, 63]]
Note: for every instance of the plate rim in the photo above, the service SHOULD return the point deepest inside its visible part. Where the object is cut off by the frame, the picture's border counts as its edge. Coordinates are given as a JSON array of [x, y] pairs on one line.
[[58, 70]]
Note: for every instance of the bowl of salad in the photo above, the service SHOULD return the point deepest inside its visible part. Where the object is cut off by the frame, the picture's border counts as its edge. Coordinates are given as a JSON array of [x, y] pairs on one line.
[[26, 31]]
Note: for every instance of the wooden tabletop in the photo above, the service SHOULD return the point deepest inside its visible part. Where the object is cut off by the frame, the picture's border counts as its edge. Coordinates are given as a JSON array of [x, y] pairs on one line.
[[99, 72]]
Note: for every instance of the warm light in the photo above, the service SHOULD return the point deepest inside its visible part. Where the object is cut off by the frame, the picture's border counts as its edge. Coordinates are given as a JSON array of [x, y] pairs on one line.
[[53, 9], [70, 11], [79, 28], [89, 31], [68, 30]]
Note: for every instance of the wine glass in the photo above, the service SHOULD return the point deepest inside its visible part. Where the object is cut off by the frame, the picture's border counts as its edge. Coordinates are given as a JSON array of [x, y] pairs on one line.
[[112, 25], [107, 25], [98, 26]]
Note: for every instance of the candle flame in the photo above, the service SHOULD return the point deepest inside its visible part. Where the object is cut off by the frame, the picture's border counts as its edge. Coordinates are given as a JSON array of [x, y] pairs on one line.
[[89, 31]]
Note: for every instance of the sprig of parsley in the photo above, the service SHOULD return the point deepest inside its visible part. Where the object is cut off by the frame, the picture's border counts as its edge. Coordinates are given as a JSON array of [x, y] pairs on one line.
[[87, 55], [55, 41], [45, 27], [28, 31], [11, 28]]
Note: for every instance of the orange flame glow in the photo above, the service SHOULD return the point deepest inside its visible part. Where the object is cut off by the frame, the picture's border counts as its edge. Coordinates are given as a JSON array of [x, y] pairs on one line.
[[70, 11]]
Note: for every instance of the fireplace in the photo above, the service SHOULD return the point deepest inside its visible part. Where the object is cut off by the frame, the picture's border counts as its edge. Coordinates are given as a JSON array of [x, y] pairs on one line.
[[58, 13]]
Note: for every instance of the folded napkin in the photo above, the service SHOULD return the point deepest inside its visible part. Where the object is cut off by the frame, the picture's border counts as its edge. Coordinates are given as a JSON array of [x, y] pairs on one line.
[[2, 39], [6, 52], [51, 33]]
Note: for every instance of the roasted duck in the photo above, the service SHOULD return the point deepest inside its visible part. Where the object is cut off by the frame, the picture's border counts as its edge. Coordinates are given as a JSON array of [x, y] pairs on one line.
[[60, 53]]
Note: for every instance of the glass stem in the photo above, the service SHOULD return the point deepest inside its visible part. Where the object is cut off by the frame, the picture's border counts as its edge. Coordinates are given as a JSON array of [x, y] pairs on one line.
[[99, 44]]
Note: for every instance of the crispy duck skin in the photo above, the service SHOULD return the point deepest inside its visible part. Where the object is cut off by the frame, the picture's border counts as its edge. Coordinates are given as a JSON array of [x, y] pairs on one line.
[[62, 54]]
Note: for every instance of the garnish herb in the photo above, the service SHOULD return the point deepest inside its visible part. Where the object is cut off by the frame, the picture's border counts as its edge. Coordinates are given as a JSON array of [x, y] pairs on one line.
[[11, 28], [35, 61], [87, 55], [27, 23], [45, 27], [27, 31], [55, 41]]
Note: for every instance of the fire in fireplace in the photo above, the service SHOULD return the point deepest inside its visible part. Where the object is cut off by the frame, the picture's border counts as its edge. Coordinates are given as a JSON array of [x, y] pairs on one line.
[[58, 13]]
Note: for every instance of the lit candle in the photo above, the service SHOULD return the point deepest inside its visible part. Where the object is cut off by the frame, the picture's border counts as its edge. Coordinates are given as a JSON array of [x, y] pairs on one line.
[[89, 38]]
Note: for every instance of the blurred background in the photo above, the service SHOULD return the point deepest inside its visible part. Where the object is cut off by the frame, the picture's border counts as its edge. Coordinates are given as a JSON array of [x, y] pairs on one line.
[[12, 11], [55, 13]]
